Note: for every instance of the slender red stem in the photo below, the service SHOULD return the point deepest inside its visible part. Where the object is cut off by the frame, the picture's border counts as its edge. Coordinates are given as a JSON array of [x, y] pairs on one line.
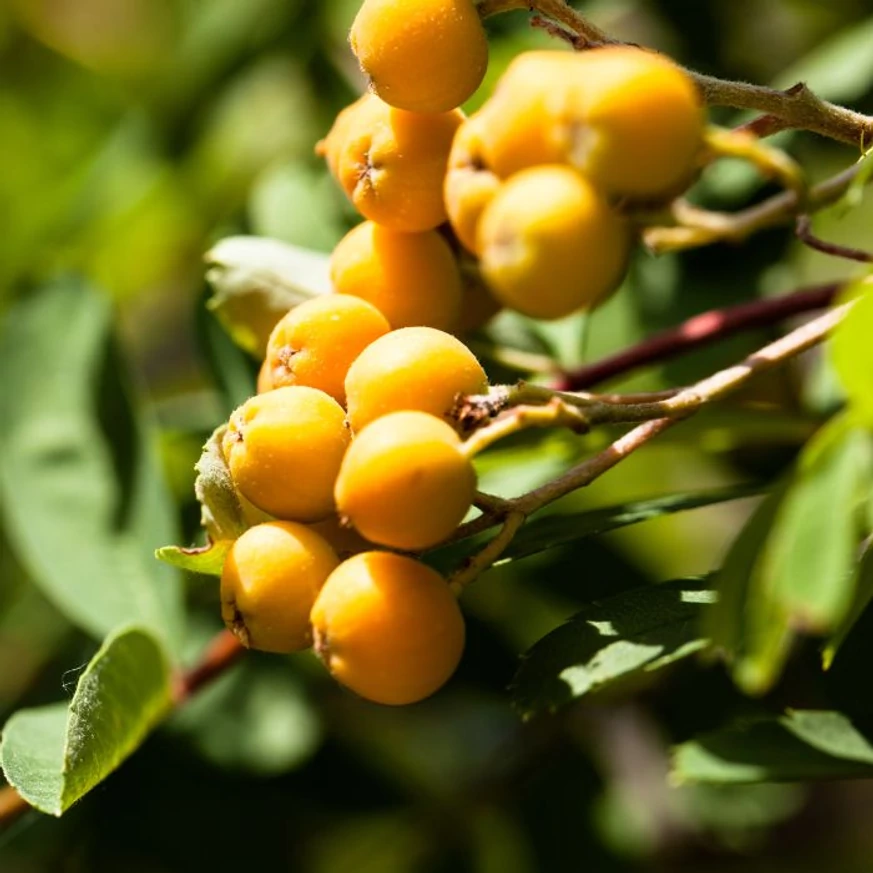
[[698, 331]]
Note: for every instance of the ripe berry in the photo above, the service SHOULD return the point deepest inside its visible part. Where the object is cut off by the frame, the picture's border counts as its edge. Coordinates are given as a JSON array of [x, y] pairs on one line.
[[550, 244], [392, 163], [265, 379], [630, 120], [411, 278], [316, 342], [412, 368], [284, 450], [388, 628], [269, 583], [421, 55], [404, 481], [470, 184]]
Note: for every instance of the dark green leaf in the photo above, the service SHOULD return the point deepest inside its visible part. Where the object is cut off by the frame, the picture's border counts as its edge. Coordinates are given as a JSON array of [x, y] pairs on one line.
[[84, 498], [800, 745], [553, 530], [609, 641], [55, 755], [257, 280]]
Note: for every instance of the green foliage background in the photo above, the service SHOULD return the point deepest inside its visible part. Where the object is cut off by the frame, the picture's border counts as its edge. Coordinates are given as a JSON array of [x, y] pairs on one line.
[[134, 135]]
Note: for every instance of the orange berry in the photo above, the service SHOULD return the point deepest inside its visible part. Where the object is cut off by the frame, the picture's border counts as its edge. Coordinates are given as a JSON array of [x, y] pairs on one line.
[[344, 540], [478, 305], [405, 482], [392, 163], [316, 342], [412, 278], [470, 185], [416, 368], [269, 583], [550, 243], [388, 628], [629, 119], [284, 450], [424, 55], [265, 379]]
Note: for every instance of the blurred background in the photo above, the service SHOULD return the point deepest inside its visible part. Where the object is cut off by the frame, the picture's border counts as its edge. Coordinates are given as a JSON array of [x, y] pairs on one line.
[[136, 133]]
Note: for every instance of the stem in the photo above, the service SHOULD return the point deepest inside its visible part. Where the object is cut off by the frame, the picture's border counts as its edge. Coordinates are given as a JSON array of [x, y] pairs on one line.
[[803, 231], [701, 330], [221, 653], [480, 562]]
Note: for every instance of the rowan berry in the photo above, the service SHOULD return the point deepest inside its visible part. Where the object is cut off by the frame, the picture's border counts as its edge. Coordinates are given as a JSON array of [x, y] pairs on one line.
[[284, 450], [316, 342], [411, 278], [271, 577], [550, 244], [405, 482], [388, 628], [417, 368], [421, 55]]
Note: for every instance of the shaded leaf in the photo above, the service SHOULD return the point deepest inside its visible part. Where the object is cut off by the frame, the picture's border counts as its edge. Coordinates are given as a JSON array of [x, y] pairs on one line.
[[800, 745], [634, 633], [257, 280], [55, 755], [254, 718], [84, 498], [561, 529]]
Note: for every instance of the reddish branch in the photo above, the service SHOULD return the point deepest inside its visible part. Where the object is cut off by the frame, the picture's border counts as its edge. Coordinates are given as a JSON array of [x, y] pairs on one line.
[[708, 327], [803, 231]]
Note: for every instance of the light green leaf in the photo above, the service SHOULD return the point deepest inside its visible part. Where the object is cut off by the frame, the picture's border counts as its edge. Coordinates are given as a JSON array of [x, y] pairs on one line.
[[221, 510], [84, 498], [800, 745], [852, 351], [863, 588], [206, 560], [257, 280], [632, 634], [55, 755]]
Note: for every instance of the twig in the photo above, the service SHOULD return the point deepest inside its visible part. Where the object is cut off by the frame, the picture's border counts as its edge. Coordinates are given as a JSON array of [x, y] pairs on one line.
[[701, 330], [803, 231], [476, 565], [221, 653]]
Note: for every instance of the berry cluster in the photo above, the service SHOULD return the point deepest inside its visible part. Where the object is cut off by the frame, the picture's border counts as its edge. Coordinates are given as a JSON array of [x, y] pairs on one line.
[[347, 449]]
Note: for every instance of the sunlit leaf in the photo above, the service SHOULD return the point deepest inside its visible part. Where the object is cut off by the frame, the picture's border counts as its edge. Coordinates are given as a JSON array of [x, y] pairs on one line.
[[800, 745], [852, 351], [56, 754], [207, 560], [609, 641]]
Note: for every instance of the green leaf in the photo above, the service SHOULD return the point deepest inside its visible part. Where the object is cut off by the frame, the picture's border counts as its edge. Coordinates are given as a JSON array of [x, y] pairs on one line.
[[84, 498], [632, 634], [257, 280], [207, 560], [852, 351], [55, 755], [791, 568], [255, 719], [800, 745], [561, 529]]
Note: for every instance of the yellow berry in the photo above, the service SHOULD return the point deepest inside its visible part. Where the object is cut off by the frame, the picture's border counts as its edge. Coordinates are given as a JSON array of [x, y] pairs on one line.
[[411, 278], [269, 583], [421, 55], [478, 305], [550, 244], [343, 538], [284, 450], [316, 342], [629, 119], [392, 163], [417, 368], [405, 482], [470, 185], [388, 628], [265, 378]]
